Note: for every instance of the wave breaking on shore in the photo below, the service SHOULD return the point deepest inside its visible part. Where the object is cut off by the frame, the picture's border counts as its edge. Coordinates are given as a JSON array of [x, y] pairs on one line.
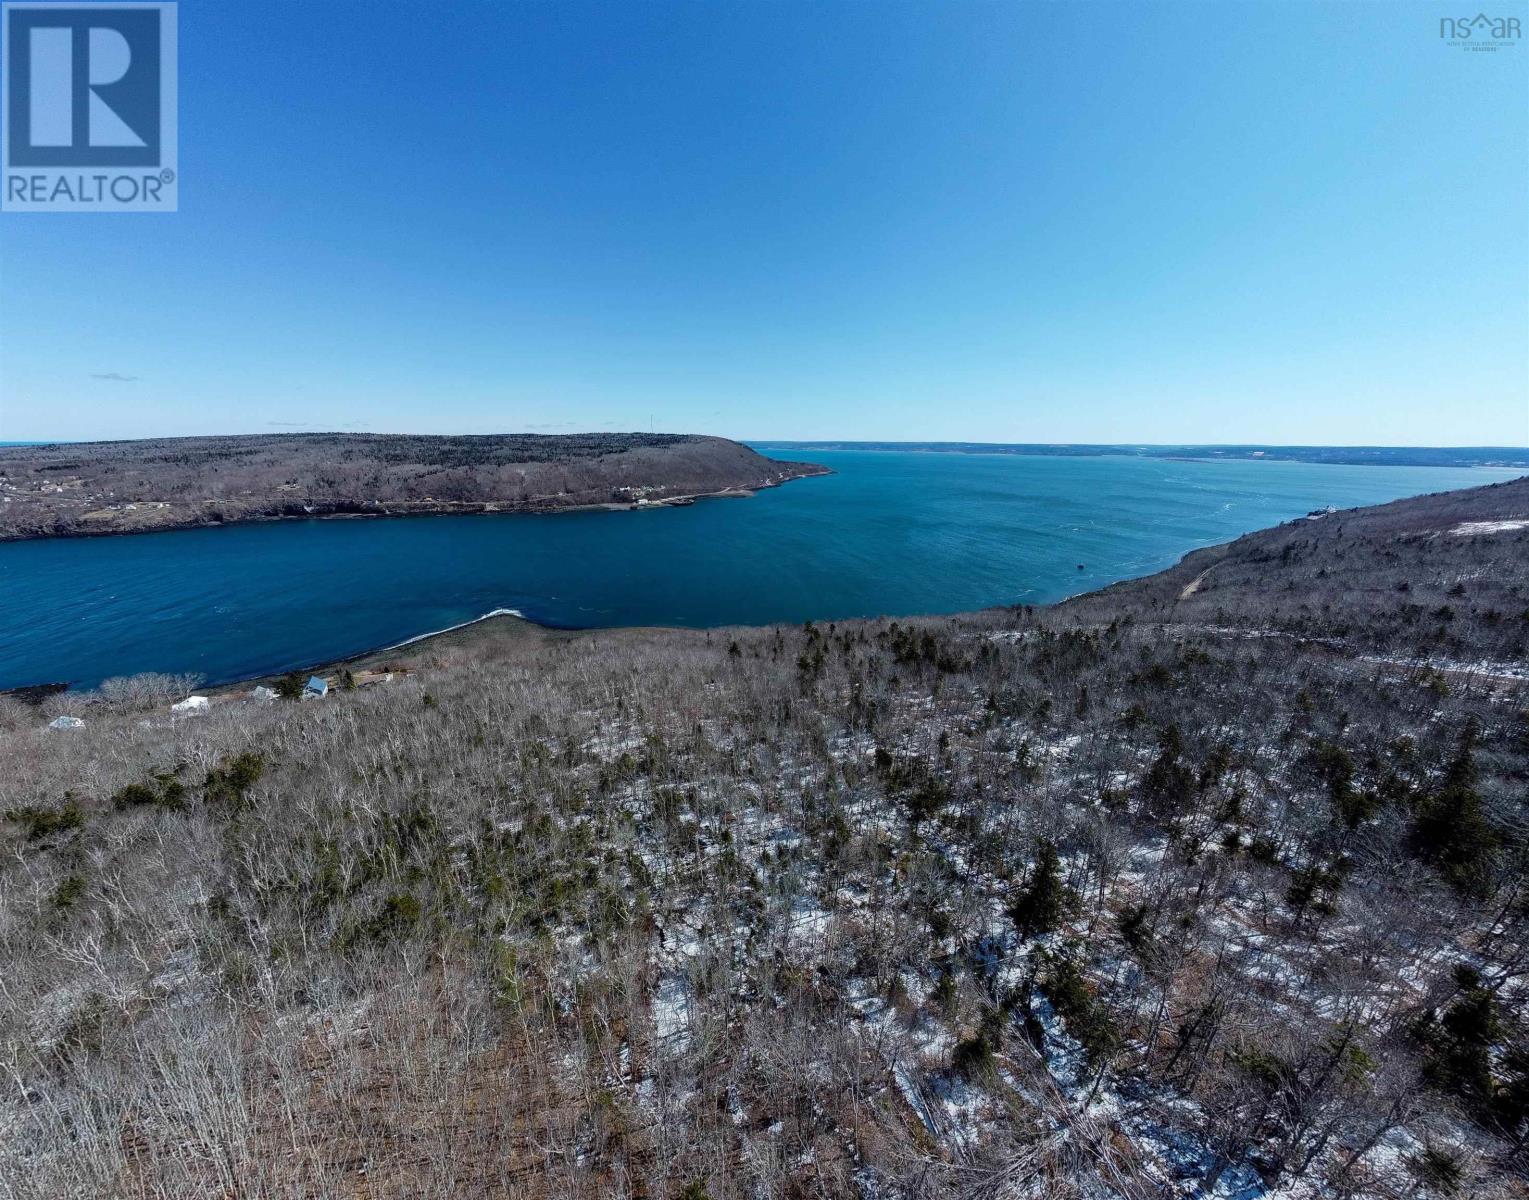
[[420, 637]]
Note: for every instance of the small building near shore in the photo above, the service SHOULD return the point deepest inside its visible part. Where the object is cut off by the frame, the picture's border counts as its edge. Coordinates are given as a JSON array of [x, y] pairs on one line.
[[66, 723], [191, 704], [316, 688]]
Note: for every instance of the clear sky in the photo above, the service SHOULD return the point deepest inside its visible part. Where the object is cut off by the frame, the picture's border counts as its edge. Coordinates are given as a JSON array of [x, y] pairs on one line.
[[1295, 221]]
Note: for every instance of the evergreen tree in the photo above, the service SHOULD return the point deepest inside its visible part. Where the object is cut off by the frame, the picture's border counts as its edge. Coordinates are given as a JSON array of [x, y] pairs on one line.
[[1169, 783], [1460, 1041], [1511, 1103], [1451, 830], [1045, 900]]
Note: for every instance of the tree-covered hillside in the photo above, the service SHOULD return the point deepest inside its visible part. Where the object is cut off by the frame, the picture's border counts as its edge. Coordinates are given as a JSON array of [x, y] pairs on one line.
[[1208, 885], [81, 488]]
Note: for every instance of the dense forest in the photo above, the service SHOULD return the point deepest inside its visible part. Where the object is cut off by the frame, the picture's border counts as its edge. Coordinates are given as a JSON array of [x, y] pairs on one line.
[[1209, 884], [81, 488]]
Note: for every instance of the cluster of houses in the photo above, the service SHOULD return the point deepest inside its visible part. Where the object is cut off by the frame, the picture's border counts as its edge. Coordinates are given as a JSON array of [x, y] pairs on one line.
[[638, 494], [316, 688]]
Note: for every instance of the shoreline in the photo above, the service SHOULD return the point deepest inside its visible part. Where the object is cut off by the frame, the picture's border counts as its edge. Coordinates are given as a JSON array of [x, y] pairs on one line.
[[36, 693], [423, 637], [377, 658]]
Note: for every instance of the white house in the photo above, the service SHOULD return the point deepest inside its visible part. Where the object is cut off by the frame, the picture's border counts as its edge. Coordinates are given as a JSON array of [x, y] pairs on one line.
[[316, 688], [66, 723], [191, 704]]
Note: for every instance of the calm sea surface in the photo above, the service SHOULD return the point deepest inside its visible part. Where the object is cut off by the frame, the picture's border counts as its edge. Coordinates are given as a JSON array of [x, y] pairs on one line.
[[890, 533]]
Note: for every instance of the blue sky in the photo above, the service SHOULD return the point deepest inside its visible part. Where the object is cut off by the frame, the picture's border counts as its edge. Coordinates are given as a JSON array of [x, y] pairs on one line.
[[1150, 222]]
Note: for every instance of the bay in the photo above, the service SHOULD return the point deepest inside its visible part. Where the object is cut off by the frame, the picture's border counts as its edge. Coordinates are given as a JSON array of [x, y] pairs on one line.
[[890, 533]]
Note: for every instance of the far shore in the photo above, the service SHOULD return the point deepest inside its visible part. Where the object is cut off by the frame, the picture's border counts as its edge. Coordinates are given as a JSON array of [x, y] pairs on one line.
[[153, 485], [180, 522]]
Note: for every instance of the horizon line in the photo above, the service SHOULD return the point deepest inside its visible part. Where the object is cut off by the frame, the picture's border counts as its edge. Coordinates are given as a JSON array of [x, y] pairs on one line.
[[799, 441]]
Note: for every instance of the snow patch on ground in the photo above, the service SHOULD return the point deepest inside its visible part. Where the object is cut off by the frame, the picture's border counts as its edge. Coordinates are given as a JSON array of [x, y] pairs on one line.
[[1478, 528], [671, 1012]]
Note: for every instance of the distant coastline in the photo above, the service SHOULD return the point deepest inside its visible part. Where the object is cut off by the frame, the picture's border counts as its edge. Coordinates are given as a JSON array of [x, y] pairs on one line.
[[345, 512], [1508, 457], [86, 489]]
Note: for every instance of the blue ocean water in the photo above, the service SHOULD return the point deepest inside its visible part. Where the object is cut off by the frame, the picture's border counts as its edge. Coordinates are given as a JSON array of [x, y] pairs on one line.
[[888, 533]]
